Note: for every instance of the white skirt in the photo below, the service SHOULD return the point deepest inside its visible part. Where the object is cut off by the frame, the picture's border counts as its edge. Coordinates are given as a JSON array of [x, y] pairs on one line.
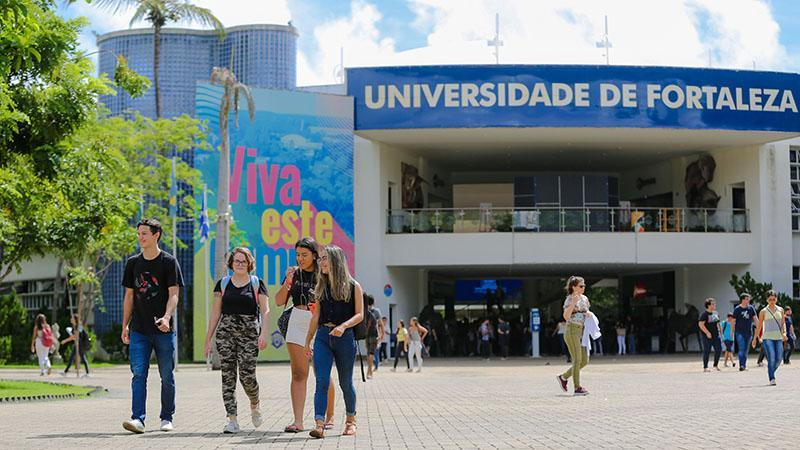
[[297, 330]]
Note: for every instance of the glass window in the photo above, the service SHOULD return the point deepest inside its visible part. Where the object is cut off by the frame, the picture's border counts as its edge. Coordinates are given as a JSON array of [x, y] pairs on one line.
[[794, 173], [796, 282]]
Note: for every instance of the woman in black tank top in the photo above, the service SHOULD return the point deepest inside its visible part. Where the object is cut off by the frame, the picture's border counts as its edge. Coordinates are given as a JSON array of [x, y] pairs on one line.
[[340, 306]]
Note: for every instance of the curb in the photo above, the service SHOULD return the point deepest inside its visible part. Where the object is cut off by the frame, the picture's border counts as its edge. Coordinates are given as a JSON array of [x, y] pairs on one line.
[[96, 391]]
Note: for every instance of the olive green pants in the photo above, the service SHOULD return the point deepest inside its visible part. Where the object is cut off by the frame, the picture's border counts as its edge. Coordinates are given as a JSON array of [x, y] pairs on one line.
[[580, 354]]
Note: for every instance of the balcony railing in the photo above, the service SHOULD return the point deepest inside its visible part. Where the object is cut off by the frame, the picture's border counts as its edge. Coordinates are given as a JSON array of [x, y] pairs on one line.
[[41, 300], [559, 220]]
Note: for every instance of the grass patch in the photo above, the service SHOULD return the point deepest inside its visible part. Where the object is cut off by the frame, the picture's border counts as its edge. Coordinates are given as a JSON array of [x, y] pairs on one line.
[[30, 388]]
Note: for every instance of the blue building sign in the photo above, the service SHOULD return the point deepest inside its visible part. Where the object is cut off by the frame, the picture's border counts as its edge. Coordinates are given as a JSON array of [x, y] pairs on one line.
[[573, 96]]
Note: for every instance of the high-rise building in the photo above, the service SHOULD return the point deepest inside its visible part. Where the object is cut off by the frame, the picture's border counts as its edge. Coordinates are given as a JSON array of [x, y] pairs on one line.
[[260, 56]]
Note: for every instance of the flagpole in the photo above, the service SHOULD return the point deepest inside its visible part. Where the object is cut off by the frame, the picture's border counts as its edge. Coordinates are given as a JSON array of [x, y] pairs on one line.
[[174, 208], [206, 271]]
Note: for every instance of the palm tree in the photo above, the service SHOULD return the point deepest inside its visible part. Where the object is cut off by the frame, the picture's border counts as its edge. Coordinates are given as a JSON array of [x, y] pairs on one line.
[[232, 90], [158, 13]]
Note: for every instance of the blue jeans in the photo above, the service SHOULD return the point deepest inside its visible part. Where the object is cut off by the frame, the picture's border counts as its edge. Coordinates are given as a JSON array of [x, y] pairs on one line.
[[743, 344], [141, 345], [774, 350], [327, 350], [707, 344]]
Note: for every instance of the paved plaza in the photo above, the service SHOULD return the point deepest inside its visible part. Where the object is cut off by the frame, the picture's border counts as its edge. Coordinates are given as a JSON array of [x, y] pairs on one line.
[[634, 402]]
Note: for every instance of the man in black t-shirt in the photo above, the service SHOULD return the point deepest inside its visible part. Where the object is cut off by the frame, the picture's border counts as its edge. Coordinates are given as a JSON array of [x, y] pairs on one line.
[[151, 280], [746, 317]]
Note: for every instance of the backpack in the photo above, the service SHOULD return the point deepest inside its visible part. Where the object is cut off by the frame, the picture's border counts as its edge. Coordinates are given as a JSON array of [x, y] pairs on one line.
[[47, 337], [253, 284], [361, 330]]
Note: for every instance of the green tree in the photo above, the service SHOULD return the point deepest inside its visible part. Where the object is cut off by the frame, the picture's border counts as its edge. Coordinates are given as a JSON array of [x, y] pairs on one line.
[[757, 291], [128, 161], [158, 13], [15, 330], [232, 90], [47, 93]]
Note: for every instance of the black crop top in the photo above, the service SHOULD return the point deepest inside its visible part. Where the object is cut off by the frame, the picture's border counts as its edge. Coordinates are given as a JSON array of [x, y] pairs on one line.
[[240, 299], [302, 289], [336, 311]]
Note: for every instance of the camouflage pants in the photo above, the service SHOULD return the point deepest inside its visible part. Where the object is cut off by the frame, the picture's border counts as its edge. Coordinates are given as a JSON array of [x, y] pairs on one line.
[[237, 345]]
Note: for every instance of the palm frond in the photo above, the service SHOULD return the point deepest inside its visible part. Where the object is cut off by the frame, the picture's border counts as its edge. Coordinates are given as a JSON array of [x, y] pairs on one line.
[[117, 6], [195, 14], [248, 95], [140, 15]]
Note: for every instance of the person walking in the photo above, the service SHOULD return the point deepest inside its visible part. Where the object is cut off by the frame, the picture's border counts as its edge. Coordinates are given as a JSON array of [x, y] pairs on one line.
[[374, 334], [383, 353], [621, 337], [152, 280], [238, 320], [299, 286], [79, 334], [631, 335], [41, 343], [771, 329], [727, 339], [400, 347], [789, 347], [576, 311], [416, 334], [744, 315], [485, 333], [561, 328], [503, 336], [709, 325], [340, 306]]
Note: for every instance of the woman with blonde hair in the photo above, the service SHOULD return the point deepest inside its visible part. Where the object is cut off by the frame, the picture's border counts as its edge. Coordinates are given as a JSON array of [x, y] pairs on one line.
[[416, 335], [241, 309], [41, 343], [576, 311], [340, 306]]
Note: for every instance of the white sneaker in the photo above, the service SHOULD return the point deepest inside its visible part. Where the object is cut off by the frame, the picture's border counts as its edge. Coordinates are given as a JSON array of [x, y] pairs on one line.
[[231, 427], [86, 375], [166, 425], [255, 416], [134, 426]]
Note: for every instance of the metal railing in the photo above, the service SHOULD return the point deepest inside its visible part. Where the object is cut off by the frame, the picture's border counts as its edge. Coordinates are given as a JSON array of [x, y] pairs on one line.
[[41, 300], [559, 220]]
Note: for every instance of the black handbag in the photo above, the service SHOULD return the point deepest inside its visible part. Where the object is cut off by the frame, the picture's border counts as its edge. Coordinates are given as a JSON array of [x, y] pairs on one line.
[[283, 320]]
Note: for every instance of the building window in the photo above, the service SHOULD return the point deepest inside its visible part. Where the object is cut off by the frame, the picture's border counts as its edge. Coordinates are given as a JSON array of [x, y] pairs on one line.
[[796, 282], [794, 174]]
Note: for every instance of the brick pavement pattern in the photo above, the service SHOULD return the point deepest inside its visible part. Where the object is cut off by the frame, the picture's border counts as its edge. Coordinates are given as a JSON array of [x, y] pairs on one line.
[[634, 402]]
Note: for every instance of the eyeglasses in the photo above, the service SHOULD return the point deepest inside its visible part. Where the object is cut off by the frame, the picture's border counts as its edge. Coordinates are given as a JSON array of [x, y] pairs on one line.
[[581, 285], [240, 261]]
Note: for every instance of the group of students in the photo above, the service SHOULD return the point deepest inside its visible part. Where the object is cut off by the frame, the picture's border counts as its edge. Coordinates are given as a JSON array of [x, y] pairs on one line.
[[326, 303], [43, 344], [773, 328]]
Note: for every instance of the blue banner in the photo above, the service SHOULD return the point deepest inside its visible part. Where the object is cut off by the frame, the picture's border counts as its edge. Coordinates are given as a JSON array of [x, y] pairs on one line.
[[573, 96]]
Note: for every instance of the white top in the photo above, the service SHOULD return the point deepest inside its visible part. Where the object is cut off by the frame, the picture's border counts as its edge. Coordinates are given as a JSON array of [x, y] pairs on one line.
[[581, 307]]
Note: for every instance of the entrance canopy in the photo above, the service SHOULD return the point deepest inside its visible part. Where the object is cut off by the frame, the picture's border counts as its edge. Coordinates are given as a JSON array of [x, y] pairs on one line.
[[556, 148]]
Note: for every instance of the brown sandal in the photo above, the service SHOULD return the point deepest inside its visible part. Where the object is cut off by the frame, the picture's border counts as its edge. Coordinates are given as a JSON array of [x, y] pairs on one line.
[[349, 429], [318, 432]]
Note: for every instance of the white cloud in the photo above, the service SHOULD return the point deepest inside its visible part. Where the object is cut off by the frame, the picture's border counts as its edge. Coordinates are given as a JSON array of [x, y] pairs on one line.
[[728, 33]]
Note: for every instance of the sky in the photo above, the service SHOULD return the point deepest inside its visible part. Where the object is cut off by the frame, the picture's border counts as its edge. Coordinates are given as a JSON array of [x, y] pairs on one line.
[[733, 34]]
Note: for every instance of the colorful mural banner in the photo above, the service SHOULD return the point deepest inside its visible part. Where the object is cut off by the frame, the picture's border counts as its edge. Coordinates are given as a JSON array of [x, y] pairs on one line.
[[291, 176]]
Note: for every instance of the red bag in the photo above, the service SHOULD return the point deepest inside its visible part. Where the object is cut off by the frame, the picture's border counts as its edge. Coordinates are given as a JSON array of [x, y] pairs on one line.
[[47, 337]]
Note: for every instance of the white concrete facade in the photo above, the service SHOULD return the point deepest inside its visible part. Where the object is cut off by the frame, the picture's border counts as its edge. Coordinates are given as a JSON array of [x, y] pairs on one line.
[[703, 262]]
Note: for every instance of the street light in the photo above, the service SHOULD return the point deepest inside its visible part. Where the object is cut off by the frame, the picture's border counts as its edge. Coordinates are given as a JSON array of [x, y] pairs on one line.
[[605, 43]]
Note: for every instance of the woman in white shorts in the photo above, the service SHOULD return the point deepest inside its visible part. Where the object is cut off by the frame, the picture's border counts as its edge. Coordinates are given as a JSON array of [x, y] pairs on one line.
[[299, 287]]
